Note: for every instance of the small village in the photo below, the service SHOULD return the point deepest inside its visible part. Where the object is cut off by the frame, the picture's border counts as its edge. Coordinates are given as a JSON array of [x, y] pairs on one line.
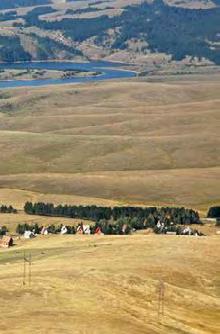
[[160, 223]]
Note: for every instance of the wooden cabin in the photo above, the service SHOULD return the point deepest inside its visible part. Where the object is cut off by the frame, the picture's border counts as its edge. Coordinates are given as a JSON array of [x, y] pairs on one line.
[[6, 241]]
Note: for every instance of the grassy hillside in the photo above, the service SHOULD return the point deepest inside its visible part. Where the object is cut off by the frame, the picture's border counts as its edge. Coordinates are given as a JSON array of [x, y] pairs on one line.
[[110, 285], [140, 142]]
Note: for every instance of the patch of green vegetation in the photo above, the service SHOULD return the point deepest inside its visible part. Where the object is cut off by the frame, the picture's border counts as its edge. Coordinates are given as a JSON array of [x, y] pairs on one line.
[[48, 48], [142, 217], [77, 29], [176, 31], [11, 49], [7, 4], [4, 95], [11, 15]]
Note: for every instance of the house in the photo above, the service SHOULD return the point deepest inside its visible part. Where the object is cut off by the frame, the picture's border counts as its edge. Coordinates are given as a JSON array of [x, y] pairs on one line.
[[79, 229], [98, 231], [6, 241], [63, 230], [44, 231], [29, 235], [86, 229], [124, 228]]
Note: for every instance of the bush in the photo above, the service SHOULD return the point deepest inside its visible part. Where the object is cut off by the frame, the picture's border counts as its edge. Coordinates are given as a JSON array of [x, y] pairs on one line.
[[21, 228], [3, 230], [214, 212], [7, 209]]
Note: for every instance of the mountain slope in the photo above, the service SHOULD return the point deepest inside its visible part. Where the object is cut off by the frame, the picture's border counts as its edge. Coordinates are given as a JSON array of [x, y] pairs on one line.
[[109, 29]]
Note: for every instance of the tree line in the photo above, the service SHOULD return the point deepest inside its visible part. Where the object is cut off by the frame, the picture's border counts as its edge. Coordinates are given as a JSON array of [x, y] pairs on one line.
[[140, 217], [7, 209]]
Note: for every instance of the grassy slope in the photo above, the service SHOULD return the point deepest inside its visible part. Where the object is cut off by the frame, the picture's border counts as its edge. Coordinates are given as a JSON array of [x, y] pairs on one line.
[[152, 143], [80, 285]]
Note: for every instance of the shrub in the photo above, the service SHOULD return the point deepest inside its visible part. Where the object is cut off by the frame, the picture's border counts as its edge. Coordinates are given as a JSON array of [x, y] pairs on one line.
[[7, 209], [3, 230], [214, 212]]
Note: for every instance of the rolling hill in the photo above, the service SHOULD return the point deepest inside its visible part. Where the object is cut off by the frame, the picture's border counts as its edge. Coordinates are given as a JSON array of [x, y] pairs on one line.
[[153, 143], [151, 140]]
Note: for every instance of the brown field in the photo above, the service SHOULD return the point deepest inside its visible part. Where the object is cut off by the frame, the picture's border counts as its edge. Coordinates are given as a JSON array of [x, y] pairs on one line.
[[110, 284], [151, 143], [111, 143]]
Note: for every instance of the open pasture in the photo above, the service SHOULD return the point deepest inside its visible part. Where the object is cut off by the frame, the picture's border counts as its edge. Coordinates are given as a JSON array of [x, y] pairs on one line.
[[139, 142], [110, 284]]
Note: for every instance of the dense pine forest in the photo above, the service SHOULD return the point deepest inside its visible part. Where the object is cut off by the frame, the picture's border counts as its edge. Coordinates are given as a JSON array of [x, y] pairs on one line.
[[114, 220], [143, 216]]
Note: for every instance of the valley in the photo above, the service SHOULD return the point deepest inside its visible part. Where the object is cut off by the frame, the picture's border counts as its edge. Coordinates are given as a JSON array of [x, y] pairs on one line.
[[109, 165]]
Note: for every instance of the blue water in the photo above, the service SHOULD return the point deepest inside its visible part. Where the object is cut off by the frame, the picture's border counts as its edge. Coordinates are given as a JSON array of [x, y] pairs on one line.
[[109, 71]]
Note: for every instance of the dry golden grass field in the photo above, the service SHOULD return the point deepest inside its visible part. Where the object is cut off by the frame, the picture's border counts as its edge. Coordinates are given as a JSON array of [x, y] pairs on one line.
[[110, 284], [111, 143], [124, 142]]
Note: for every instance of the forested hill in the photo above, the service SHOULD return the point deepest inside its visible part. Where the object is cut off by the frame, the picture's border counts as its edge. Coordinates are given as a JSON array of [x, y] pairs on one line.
[[7, 4], [100, 30]]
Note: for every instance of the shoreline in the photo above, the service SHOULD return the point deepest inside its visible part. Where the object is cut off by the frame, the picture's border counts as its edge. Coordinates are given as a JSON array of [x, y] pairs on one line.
[[46, 74], [102, 70]]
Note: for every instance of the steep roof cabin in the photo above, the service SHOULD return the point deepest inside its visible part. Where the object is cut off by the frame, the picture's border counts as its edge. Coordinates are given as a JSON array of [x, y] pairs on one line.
[[6, 241]]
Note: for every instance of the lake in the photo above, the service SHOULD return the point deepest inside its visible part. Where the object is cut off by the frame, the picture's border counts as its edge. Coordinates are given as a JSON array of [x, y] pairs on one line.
[[108, 71]]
